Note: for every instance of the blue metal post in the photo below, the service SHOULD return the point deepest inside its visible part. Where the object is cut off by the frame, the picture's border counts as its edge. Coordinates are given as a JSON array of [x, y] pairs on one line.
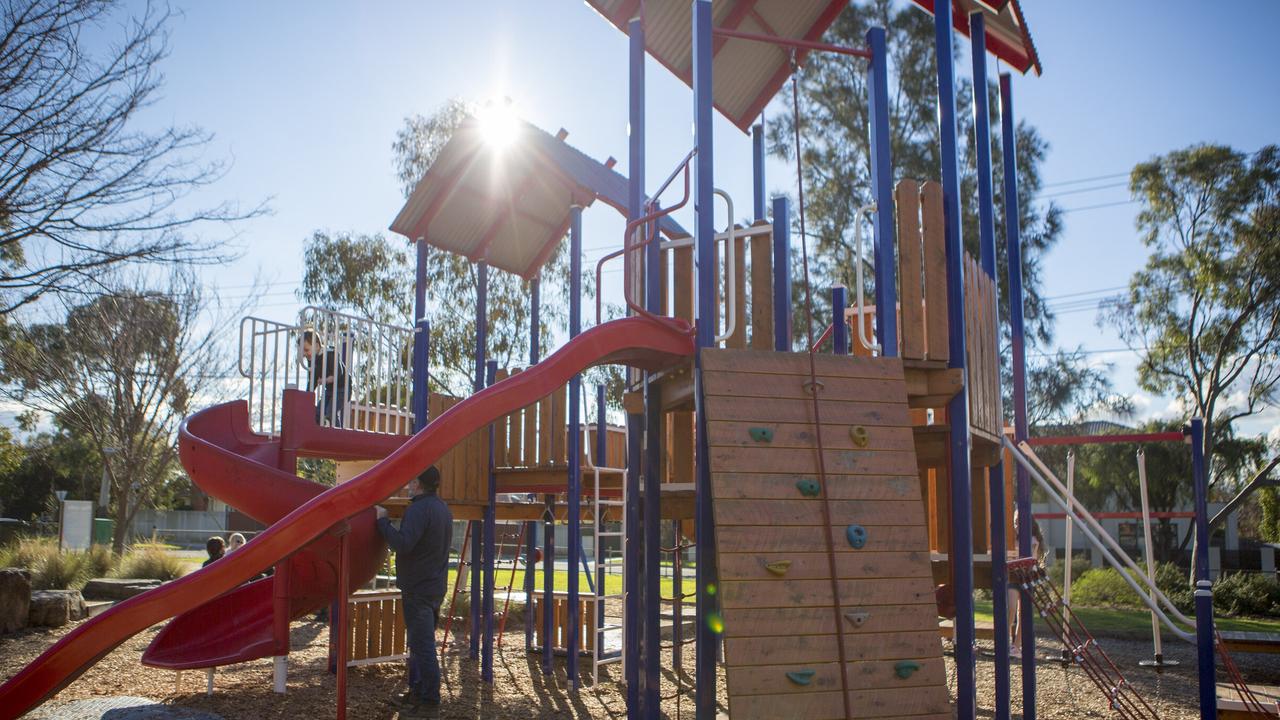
[[958, 408], [995, 474], [1022, 486], [635, 422], [477, 541], [490, 546], [707, 621], [601, 449], [1204, 586], [757, 171], [652, 469], [882, 190], [421, 341], [574, 443], [781, 274], [839, 328], [530, 548]]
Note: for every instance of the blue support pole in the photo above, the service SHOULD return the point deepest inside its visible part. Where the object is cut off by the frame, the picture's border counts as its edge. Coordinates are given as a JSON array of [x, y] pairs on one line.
[[1022, 482], [781, 274], [601, 449], [839, 328], [421, 341], [652, 470], [530, 547], [958, 409], [995, 474], [1204, 586], [490, 546], [477, 541], [574, 443], [757, 172], [707, 621], [633, 548], [882, 190]]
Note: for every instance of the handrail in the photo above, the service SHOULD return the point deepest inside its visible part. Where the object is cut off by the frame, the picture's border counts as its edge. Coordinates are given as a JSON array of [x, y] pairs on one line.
[[871, 345], [731, 282], [823, 337], [1023, 454]]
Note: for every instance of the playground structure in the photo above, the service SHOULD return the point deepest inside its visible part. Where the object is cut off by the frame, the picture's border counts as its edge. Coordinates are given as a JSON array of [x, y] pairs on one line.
[[827, 491]]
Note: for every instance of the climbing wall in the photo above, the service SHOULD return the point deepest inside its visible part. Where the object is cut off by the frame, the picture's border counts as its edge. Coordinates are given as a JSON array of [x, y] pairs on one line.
[[779, 610]]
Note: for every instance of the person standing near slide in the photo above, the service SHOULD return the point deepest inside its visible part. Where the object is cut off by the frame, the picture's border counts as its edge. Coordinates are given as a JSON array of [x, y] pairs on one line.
[[421, 544]]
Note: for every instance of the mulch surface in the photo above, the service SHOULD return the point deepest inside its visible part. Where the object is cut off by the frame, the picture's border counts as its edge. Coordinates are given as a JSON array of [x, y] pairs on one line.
[[521, 690]]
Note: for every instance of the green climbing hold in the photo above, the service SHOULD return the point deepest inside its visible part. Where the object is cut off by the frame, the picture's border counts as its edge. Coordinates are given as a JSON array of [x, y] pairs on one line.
[[801, 677], [779, 567], [906, 668], [808, 487], [857, 536], [761, 434]]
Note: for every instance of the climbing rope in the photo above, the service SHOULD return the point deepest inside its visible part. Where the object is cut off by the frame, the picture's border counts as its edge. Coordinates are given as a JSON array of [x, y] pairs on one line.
[[1253, 706], [814, 386]]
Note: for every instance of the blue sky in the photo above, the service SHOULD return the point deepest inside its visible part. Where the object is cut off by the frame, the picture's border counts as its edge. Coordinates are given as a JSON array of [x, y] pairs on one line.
[[307, 103]]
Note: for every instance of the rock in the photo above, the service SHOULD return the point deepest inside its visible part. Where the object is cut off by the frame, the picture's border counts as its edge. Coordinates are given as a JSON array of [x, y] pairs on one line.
[[15, 599], [55, 608], [117, 588]]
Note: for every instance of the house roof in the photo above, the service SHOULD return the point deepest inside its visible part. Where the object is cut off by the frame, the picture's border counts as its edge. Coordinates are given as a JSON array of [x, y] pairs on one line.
[[746, 74], [508, 206]]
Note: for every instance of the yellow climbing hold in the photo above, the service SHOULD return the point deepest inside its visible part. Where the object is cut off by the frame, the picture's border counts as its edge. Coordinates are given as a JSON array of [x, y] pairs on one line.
[[779, 567]]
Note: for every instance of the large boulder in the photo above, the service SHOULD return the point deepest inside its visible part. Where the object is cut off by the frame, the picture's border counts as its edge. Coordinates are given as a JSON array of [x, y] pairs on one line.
[[55, 608], [115, 589], [15, 599]]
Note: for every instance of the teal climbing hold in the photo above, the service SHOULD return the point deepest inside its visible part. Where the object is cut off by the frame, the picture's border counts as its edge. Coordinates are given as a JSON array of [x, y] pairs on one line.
[[801, 677], [761, 434], [808, 487], [905, 668], [857, 536]]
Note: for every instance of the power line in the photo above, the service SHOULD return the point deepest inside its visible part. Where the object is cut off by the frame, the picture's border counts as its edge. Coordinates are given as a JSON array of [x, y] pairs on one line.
[[1078, 181], [1098, 206]]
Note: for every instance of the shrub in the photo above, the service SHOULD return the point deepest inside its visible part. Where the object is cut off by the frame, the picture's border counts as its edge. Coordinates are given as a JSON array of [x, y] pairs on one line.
[[61, 571], [1247, 594], [28, 552], [1105, 587], [100, 561], [151, 563]]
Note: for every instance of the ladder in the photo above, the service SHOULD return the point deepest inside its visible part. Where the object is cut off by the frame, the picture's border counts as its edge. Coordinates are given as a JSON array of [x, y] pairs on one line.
[[508, 535], [1029, 577], [600, 509]]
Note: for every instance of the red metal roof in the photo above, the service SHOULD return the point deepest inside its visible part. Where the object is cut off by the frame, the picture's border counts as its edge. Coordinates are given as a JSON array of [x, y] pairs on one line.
[[747, 74]]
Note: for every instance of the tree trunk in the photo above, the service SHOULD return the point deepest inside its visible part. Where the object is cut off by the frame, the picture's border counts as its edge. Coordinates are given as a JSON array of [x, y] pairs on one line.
[[122, 518]]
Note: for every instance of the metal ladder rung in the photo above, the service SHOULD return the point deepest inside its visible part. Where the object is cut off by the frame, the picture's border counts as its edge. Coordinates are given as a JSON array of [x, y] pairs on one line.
[[606, 628]]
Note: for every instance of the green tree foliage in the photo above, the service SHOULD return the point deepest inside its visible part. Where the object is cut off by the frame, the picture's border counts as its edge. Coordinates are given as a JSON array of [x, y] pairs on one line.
[[120, 371], [836, 160], [1204, 313], [1269, 525]]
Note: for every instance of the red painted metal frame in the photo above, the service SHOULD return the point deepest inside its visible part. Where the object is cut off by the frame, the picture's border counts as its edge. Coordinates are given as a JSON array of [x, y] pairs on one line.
[[793, 44], [1021, 59], [1107, 439], [822, 338]]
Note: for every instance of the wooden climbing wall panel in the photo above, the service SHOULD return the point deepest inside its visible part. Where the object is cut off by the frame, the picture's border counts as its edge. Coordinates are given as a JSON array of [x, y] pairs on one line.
[[778, 603]]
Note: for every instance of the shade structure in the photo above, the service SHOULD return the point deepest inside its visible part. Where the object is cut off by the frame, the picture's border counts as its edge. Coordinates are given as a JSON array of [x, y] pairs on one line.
[[507, 200], [747, 73]]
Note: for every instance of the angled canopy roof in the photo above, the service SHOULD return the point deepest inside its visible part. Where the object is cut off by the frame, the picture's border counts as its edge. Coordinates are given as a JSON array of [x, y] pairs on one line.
[[1007, 35], [746, 74], [509, 205]]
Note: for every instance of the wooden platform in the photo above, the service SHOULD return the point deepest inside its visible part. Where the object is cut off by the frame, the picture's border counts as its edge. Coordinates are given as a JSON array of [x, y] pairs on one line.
[[1251, 642], [1231, 707], [779, 610]]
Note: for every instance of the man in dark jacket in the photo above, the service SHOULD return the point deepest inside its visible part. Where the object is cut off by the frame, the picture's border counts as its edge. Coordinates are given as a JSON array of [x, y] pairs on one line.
[[421, 545]]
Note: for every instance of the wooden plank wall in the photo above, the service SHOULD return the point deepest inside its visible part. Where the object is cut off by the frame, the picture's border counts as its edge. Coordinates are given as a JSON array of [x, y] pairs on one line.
[[922, 271], [464, 470], [980, 350], [377, 627], [779, 624]]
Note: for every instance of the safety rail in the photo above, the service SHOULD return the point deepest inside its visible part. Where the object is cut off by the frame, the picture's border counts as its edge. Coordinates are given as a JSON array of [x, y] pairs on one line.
[[366, 363]]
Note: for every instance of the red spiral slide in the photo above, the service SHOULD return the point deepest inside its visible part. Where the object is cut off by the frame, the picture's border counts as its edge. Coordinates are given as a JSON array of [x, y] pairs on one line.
[[637, 341]]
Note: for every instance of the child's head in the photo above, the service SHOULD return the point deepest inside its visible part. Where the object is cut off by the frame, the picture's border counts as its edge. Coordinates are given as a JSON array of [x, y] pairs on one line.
[[215, 547], [308, 343], [234, 542]]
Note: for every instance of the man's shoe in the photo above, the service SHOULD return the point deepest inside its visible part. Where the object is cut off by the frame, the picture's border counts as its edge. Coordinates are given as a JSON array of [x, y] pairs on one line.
[[404, 700]]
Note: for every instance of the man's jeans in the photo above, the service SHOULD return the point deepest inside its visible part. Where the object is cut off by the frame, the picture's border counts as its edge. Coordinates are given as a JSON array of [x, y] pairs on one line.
[[420, 616]]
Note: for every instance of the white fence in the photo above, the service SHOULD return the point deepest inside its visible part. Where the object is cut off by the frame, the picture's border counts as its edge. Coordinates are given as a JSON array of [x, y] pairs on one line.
[[361, 370]]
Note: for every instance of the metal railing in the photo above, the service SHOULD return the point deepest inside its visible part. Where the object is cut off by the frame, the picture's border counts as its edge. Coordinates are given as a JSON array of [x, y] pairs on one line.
[[361, 370]]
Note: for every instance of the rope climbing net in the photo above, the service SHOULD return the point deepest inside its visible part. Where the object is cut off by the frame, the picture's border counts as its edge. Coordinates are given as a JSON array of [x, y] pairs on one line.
[[1029, 577]]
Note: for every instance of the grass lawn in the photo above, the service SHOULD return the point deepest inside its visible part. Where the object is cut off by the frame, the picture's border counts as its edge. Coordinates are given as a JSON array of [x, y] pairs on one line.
[[1135, 624], [612, 585]]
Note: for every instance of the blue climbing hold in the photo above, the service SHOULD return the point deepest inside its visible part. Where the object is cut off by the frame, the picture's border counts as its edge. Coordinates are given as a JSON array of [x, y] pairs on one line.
[[906, 668], [801, 677], [761, 434], [808, 487], [857, 536]]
